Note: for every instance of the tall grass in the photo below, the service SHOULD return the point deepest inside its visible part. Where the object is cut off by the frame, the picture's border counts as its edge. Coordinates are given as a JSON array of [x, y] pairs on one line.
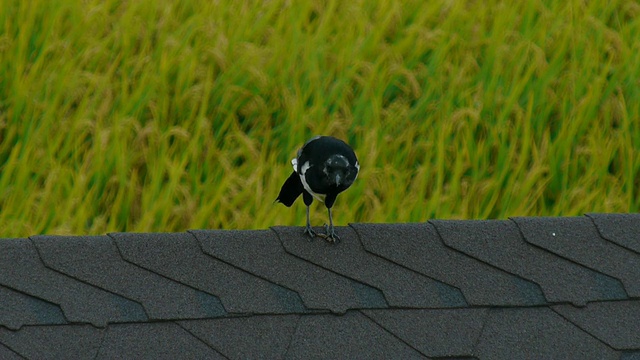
[[157, 115]]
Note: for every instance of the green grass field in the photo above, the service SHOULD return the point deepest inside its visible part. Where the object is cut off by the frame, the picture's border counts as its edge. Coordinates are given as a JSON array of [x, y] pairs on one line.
[[157, 115]]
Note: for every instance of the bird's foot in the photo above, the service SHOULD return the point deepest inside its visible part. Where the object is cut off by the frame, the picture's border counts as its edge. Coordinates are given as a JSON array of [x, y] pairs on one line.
[[309, 231], [330, 234]]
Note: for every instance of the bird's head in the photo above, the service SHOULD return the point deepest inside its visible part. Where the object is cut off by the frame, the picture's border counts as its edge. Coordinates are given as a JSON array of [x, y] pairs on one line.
[[339, 172]]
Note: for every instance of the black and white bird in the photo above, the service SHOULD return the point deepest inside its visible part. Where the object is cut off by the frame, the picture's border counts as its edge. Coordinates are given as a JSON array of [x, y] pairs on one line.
[[324, 167]]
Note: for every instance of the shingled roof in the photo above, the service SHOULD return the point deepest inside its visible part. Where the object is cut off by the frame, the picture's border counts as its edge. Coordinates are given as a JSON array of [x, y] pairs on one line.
[[566, 288]]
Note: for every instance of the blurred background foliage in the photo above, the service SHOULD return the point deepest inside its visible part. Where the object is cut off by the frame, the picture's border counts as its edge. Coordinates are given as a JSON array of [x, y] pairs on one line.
[[157, 115]]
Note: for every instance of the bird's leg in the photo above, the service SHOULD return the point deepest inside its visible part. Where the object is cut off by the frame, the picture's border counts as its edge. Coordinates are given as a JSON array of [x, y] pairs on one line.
[[330, 233], [308, 229]]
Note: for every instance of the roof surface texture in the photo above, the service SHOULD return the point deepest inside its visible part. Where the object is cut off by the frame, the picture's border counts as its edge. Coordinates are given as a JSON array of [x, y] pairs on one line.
[[565, 288]]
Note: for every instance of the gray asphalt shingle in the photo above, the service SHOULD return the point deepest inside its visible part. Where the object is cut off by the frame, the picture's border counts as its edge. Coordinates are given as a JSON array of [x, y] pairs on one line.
[[622, 229], [265, 336], [54, 342], [538, 332], [17, 309], [401, 287], [434, 332], [77, 299], [614, 323], [418, 247], [261, 253], [178, 257], [348, 336], [526, 287], [500, 244], [96, 261], [577, 239], [165, 340], [8, 354]]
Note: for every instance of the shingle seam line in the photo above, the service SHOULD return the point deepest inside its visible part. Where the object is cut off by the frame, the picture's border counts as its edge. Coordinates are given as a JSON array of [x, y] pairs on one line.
[[571, 260], [250, 273], [293, 336], [384, 297], [22, 292], [162, 275], [488, 263], [397, 337], [200, 340], [102, 340], [406, 268], [485, 321], [12, 350], [567, 319], [85, 282], [593, 220]]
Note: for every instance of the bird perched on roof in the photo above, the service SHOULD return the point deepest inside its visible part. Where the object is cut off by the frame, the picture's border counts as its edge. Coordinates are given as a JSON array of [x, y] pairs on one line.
[[324, 167]]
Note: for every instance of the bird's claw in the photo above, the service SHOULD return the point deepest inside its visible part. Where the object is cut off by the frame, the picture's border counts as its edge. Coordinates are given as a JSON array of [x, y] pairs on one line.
[[330, 234], [309, 231]]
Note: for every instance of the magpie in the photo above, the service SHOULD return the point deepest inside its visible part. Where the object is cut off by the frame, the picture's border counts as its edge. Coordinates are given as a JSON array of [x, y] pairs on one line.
[[324, 167]]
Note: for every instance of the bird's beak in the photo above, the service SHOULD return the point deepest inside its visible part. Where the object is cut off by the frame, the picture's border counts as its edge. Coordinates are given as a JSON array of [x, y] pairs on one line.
[[338, 178]]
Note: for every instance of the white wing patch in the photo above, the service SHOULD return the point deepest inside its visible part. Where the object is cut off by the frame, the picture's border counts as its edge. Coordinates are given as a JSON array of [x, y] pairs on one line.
[[357, 168], [304, 168], [303, 171], [294, 162]]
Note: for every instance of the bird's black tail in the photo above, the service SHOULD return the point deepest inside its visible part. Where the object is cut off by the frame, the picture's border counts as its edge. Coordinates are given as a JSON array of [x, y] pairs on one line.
[[291, 189]]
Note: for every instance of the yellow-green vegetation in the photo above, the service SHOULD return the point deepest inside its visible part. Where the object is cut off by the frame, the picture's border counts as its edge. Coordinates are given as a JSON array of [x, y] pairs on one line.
[[155, 115]]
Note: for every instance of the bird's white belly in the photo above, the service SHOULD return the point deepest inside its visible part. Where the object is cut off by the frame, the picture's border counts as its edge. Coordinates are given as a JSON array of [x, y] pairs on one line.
[[303, 171]]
